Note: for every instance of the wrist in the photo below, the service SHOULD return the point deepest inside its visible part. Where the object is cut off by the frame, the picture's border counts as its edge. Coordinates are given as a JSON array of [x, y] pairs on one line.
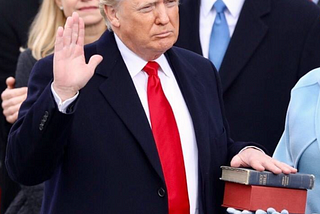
[[64, 93]]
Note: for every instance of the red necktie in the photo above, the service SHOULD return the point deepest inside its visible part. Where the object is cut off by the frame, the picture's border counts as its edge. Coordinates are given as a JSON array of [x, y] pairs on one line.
[[166, 135]]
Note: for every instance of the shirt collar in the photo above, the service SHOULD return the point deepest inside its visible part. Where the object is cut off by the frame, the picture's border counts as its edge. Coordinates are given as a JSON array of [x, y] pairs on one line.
[[135, 64], [233, 6]]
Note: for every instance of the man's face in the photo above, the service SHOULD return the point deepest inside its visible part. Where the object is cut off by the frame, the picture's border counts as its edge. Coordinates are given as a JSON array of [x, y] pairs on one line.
[[148, 27]]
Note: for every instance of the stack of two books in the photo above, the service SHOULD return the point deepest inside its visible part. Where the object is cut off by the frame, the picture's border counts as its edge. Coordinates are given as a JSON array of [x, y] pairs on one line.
[[248, 189]]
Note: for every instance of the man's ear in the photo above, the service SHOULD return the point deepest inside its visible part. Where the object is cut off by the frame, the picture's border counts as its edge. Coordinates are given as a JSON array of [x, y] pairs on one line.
[[111, 14]]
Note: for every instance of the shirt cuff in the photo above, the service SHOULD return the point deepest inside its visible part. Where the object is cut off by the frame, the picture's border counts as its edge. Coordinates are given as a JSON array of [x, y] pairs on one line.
[[251, 147], [62, 106]]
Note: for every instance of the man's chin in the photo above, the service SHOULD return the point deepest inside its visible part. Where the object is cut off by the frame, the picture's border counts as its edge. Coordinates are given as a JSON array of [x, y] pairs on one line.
[[166, 45]]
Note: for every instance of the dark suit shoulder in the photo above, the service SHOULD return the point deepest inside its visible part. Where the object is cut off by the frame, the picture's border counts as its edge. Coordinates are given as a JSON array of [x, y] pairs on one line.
[[288, 9], [197, 63], [298, 5]]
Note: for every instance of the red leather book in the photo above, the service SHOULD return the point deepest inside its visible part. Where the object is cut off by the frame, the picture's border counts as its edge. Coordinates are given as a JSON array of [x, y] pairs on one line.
[[251, 197]]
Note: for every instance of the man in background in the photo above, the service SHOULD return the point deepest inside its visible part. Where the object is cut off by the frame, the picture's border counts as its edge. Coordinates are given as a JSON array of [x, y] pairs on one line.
[[271, 44]]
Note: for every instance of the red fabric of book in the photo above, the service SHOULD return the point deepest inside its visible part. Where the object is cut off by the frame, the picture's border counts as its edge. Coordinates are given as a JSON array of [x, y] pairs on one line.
[[251, 197]]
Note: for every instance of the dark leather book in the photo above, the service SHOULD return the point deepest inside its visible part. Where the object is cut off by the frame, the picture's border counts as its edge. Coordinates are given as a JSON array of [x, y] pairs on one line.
[[265, 178]]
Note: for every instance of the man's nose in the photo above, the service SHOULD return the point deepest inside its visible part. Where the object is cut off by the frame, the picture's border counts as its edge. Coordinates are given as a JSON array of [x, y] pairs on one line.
[[162, 14]]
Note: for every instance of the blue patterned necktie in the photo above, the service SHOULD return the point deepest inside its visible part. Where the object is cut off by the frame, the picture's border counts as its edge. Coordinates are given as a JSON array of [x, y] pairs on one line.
[[220, 36]]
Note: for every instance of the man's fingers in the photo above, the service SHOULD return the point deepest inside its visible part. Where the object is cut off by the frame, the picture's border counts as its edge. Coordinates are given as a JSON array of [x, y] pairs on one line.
[[285, 168], [260, 162], [94, 61], [59, 40], [236, 161], [75, 28], [67, 33], [81, 32]]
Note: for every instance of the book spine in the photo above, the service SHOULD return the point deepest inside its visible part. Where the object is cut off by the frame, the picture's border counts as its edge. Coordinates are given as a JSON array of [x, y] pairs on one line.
[[297, 181]]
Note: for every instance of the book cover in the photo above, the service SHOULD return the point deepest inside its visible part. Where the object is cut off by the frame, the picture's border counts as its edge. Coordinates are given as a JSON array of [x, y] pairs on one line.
[[251, 197], [265, 178]]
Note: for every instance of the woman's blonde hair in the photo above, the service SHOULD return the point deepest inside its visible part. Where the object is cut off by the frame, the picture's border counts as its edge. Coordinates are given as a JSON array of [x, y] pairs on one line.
[[43, 29]]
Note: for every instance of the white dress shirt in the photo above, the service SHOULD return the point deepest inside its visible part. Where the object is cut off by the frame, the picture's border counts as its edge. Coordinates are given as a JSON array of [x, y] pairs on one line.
[[173, 94], [207, 16]]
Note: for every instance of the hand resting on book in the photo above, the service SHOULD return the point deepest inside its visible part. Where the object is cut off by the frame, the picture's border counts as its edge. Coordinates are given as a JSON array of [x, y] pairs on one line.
[[269, 211]]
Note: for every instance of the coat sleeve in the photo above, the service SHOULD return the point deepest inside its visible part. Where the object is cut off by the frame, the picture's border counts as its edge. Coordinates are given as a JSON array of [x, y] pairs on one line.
[[37, 140]]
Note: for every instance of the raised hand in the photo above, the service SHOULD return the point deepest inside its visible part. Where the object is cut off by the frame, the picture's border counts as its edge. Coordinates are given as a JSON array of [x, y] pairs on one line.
[[12, 99], [70, 70]]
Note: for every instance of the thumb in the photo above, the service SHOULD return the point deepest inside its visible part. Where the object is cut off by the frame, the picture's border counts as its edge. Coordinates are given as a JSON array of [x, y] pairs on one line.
[[236, 161], [10, 81], [94, 61]]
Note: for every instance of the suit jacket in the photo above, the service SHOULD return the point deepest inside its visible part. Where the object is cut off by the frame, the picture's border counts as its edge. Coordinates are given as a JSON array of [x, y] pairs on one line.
[[299, 145], [275, 42], [101, 157]]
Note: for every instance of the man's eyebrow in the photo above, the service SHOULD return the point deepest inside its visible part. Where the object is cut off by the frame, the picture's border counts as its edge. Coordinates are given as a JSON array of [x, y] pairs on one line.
[[150, 2]]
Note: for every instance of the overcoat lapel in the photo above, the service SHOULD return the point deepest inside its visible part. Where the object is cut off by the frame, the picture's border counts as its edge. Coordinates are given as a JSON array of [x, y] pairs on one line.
[[245, 40], [119, 91]]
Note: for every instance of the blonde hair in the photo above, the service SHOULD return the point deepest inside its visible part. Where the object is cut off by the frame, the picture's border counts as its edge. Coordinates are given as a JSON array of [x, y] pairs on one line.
[[43, 29]]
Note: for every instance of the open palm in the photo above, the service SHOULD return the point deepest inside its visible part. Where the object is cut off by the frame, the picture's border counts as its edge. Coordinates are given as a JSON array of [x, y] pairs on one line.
[[70, 70]]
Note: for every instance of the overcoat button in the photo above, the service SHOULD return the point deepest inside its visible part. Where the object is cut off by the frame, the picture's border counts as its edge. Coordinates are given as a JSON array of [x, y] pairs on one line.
[[161, 192]]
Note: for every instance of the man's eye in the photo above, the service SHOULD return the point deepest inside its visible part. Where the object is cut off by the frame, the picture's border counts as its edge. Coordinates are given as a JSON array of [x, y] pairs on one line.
[[171, 3], [146, 9]]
